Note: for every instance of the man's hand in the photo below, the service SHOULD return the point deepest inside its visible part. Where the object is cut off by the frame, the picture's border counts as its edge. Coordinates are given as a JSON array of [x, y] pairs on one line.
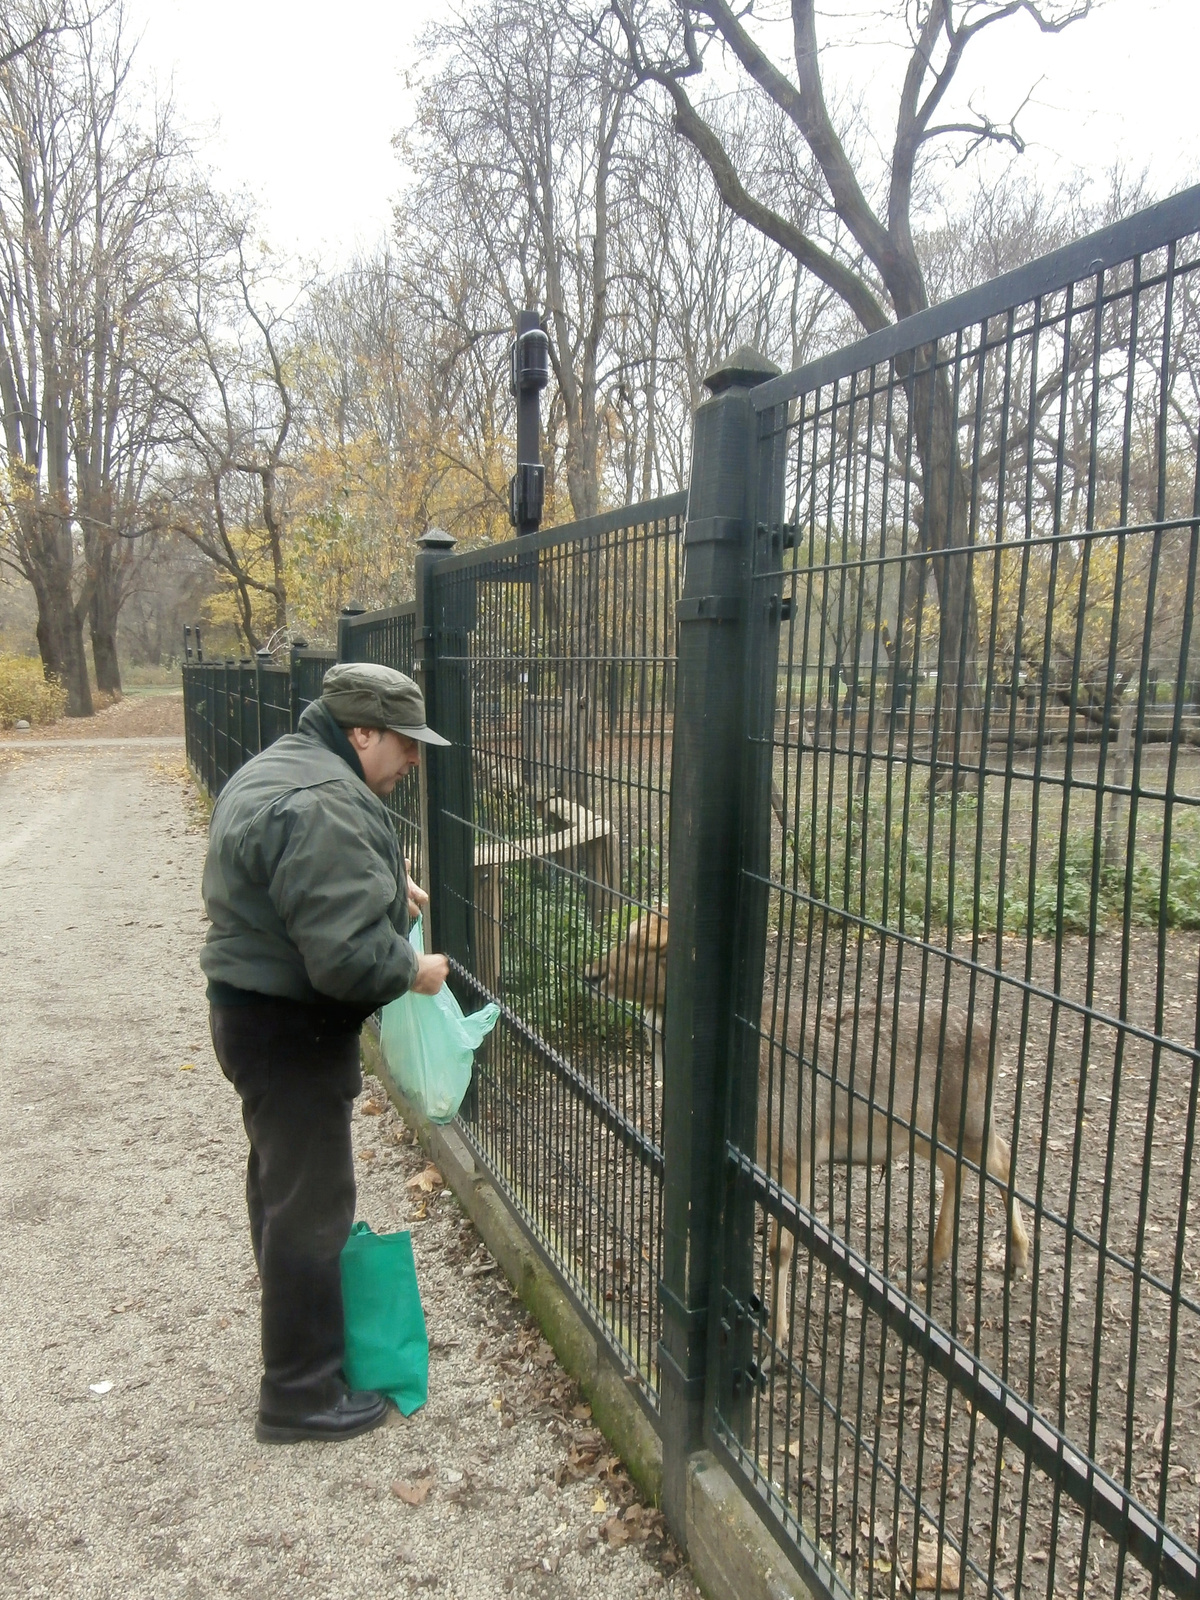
[[418, 900], [432, 972]]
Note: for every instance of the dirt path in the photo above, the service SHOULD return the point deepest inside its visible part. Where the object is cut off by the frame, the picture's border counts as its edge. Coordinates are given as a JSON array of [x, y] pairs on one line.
[[128, 1340]]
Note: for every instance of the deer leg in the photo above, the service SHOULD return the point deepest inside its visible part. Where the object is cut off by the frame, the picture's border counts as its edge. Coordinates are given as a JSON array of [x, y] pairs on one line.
[[999, 1165], [782, 1245], [781, 1273], [943, 1237]]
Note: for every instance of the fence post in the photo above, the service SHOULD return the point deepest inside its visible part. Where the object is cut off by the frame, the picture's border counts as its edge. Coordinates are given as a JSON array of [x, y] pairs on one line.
[[262, 659], [706, 793], [294, 709], [445, 774], [345, 638]]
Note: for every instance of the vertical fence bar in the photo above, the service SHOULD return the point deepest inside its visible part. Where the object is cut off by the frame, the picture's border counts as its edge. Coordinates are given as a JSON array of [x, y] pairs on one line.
[[705, 801]]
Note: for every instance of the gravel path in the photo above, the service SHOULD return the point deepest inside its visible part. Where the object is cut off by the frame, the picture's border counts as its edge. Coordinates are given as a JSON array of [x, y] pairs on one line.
[[128, 1340]]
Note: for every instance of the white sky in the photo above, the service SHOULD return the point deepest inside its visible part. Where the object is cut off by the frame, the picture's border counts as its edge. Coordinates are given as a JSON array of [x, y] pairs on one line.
[[299, 102]]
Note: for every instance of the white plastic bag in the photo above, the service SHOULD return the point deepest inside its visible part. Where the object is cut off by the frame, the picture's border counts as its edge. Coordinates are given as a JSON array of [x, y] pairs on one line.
[[429, 1045]]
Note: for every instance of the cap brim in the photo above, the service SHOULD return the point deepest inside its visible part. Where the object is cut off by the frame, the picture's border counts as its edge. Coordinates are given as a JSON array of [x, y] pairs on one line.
[[422, 735]]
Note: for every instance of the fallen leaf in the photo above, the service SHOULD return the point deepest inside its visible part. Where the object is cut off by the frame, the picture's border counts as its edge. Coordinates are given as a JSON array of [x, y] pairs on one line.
[[426, 1181], [927, 1566], [188, 1066], [412, 1494], [366, 1155], [599, 1505], [420, 1213], [582, 1413], [615, 1531], [373, 1107]]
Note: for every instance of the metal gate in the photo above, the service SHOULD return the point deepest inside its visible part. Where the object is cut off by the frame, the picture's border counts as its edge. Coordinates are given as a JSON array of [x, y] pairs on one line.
[[967, 895]]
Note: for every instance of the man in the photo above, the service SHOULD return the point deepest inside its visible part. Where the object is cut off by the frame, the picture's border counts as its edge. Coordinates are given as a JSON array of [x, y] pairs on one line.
[[310, 902]]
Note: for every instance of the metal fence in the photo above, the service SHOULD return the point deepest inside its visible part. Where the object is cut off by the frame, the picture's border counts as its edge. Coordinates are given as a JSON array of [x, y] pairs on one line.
[[554, 663], [968, 915], [894, 1209], [389, 638], [232, 710]]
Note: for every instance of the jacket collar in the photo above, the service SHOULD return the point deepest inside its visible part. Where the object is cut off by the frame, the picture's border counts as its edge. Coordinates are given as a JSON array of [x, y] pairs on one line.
[[317, 723]]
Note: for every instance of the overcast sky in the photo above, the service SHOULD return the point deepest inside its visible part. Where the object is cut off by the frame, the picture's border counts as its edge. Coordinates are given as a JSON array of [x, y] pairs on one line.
[[298, 103]]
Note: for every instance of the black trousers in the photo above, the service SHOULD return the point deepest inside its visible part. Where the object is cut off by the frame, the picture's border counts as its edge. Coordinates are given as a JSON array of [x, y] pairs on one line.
[[297, 1074]]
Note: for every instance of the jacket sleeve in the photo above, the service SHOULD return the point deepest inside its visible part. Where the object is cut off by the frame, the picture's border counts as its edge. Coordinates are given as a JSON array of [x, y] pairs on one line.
[[333, 886]]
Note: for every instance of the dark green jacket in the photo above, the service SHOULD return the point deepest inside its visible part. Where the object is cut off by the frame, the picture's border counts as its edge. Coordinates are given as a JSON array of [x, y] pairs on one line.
[[304, 884]]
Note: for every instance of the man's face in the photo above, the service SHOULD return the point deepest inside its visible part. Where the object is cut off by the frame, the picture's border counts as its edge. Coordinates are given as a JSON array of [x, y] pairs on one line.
[[385, 756]]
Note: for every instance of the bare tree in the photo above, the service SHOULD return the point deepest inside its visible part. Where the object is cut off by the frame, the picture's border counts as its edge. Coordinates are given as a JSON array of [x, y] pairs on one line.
[[223, 383], [82, 188], [863, 249], [23, 27], [522, 130]]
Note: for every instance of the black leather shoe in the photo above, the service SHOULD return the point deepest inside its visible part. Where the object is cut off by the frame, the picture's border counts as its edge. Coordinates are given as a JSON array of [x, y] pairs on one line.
[[355, 1411]]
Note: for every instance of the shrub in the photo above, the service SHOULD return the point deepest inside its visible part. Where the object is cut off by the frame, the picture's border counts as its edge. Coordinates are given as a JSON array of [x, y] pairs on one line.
[[26, 693]]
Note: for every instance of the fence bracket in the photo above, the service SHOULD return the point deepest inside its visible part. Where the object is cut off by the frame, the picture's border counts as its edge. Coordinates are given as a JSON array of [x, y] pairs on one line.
[[713, 530], [709, 608]]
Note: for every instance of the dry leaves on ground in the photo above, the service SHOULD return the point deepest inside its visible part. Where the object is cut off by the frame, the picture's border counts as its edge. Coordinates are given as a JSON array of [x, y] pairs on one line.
[[415, 1493], [927, 1566], [428, 1181]]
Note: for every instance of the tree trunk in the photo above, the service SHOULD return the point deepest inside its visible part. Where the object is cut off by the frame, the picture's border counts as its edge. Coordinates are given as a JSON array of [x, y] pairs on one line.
[[48, 562], [944, 528], [103, 612], [60, 641]]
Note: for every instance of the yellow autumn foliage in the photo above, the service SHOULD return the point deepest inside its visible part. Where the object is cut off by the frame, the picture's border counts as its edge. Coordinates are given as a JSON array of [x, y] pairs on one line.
[[25, 693]]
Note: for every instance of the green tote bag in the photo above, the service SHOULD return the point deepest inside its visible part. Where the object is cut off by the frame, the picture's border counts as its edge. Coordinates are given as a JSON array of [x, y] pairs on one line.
[[387, 1347]]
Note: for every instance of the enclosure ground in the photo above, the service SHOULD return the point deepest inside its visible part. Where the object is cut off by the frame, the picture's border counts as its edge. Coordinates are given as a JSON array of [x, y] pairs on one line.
[[127, 1270]]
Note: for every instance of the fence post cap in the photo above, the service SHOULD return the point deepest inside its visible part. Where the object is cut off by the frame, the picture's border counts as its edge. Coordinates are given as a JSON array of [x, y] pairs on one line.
[[263, 655], [353, 609], [741, 370], [437, 539]]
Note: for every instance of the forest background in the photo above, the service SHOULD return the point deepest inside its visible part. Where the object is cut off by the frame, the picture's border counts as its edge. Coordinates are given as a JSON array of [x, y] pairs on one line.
[[201, 426]]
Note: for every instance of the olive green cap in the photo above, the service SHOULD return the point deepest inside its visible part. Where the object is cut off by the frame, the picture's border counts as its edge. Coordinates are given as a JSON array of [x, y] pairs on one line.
[[361, 694]]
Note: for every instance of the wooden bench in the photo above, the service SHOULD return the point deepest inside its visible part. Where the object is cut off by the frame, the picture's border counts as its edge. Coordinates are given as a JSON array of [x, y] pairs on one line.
[[586, 843]]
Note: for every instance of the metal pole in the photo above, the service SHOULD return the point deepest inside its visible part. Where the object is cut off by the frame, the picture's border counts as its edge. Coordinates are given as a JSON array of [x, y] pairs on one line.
[[706, 823], [529, 373], [432, 548]]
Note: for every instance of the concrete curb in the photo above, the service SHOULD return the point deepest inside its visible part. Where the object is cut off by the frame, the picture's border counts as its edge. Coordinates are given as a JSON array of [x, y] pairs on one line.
[[731, 1554]]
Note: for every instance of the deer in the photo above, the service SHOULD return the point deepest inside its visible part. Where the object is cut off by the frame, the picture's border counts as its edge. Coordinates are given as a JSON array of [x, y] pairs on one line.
[[869, 1083]]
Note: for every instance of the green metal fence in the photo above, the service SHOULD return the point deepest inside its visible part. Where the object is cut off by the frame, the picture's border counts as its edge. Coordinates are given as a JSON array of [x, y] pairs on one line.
[[232, 710], [967, 925], [554, 665], [877, 1177]]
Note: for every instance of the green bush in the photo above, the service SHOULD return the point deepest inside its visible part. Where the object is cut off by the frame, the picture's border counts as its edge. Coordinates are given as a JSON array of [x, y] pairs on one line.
[[26, 694], [549, 940], [861, 860]]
